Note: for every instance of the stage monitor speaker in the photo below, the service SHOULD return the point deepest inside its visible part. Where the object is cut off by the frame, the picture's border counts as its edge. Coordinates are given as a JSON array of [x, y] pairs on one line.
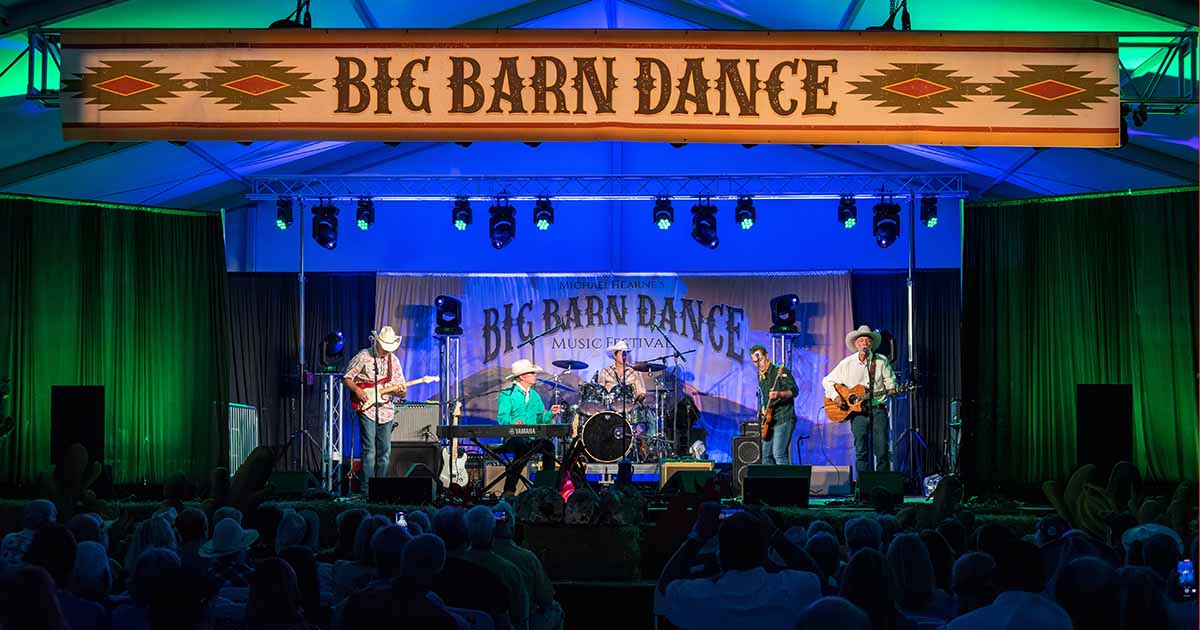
[[402, 490], [689, 481], [1103, 425], [673, 468], [891, 481], [747, 449], [76, 417], [405, 454], [293, 482], [777, 485], [831, 481]]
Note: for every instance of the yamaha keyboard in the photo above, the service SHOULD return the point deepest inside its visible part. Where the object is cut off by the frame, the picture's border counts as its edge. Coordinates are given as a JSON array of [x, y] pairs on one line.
[[469, 431]]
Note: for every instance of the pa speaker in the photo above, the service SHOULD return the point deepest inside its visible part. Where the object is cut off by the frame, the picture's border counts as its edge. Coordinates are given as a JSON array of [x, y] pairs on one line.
[[1103, 425], [293, 482], [777, 485], [892, 482], [406, 454], [747, 449], [402, 490], [76, 417]]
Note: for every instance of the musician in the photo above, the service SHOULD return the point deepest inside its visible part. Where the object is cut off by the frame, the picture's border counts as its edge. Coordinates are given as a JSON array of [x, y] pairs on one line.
[[368, 367], [621, 373], [521, 404], [776, 390], [873, 371]]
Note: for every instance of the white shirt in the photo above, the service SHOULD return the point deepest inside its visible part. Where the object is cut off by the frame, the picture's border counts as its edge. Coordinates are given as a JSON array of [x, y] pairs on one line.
[[742, 599], [852, 371]]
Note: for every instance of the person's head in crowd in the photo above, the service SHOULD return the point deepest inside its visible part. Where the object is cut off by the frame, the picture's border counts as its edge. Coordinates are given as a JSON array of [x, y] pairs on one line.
[[312, 529], [304, 564], [450, 524], [742, 542], [863, 533], [823, 548], [223, 513], [347, 530], [423, 558], [167, 513], [291, 530], [274, 596], [993, 540], [1020, 568], [907, 519], [891, 526], [88, 528], [481, 527], [53, 549], [29, 601], [833, 612], [192, 526], [152, 532], [865, 584], [955, 534], [91, 579], [1049, 529], [1161, 554], [1087, 589], [506, 528], [145, 573], [1144, 603], [1118, 524], [911, 572], [973, 581], [265, 519], [967, 518], [941, 554], [418, 523], [798, 536], [180, 600], [362, 540], [39, 514], [387, 545], [229, 542], [818, 526]]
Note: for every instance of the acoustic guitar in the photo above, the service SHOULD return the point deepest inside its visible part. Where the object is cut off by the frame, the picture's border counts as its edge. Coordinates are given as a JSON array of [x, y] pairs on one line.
[[383, 393], [850, 400]]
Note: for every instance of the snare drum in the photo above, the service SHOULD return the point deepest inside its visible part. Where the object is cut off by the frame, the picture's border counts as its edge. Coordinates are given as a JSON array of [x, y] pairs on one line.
[[606, 437]]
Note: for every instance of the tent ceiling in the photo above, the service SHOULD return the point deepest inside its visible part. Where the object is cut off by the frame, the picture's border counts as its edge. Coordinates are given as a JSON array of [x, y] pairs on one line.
[[34, 159]]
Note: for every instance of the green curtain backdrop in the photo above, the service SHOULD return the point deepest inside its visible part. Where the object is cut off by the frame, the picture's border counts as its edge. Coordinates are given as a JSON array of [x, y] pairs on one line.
[[131, 299], [1076, 291]]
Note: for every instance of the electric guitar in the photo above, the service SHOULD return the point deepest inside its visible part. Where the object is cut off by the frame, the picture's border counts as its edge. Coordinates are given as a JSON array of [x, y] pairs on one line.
[[454, 464], [384, 393], [768, 413], [850, 400]]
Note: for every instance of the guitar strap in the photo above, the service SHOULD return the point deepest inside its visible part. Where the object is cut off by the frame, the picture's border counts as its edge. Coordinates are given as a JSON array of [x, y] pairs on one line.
[[871, 382]]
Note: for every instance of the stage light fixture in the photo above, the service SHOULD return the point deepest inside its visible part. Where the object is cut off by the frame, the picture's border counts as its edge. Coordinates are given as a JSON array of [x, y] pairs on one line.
[[325, 225], [284, 215], [448, 312], [461, 216], [783, 314], [502, 226], [886, 225], [848, 211], [664, 214], [704, 224], [929, 210], [332, 349], [744, 214], [300, 18], [365, 214], [543, 213]]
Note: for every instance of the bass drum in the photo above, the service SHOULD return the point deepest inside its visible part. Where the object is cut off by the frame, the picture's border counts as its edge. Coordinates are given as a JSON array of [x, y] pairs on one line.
[[606, 437]]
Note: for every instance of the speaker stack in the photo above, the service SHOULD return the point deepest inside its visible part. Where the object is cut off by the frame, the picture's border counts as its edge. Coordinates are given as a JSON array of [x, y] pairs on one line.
[[747, 450]]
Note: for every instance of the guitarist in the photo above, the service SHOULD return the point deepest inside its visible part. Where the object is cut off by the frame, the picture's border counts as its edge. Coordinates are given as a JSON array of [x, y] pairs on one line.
[[874, 371], [370, 366], [777, 393]]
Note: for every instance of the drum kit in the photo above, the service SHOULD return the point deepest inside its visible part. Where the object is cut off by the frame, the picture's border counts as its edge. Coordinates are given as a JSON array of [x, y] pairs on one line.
[[612, 425]]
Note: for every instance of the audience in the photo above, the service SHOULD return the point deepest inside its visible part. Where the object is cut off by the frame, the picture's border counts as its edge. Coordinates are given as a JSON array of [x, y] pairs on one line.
[[406, 601], [155, 531], [913, 585], [1087, 589], [38, 514], [941, 555], [823, 547], [347, 529], [192, 528], [28, 600], [144, 579], [863, 533], [833, 612], [92, 578], [275, 602], [462, 583], [865, 584], [973, 582], [227, 553], [545, 612], [316, 602], [352, 574], [481, 531], [54, 549]]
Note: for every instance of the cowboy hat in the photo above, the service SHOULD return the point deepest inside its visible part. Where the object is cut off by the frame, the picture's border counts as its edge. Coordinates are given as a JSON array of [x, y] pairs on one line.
[[862, 331], [620, 345], [387, 339], [523, 366], [228, 538]]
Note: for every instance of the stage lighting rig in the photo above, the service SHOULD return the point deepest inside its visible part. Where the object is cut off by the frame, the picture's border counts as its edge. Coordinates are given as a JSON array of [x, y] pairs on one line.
[[461, 215], [300, 18], [929, 210], [783, 314], [449, 316], [325, 225], [744, 214], [704, 223], [332, 349], [365, 214], [543, 213], [664, 214], [284, 215], [502, 226], [886, 224], [847, 211]]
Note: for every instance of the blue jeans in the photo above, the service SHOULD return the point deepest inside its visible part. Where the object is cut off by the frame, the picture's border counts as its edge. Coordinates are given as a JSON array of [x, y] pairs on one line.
[[877, 426], [778, 449], [376, 440]]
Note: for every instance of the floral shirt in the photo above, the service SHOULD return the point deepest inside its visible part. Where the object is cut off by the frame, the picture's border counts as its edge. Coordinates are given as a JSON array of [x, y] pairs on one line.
[[366, 368]]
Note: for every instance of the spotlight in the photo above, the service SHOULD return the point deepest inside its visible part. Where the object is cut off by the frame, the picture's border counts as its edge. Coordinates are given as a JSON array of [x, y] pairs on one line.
[[284, 217], [744, 214], [704, 224], [543, 213], [365, 214], [664, 214], [886, 225], [783, 314], [332, 348], [300, 18], [325, 225], [502, 228], [929, 210], [461, 216], [848, 211], [448, 316]]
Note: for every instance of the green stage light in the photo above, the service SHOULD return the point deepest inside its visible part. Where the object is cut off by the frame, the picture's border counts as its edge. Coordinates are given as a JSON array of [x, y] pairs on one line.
[[365, 215], [461, 216], [929, 211], [664, 214], [744, 214], [284, 216], [848, 211], [543, 213]]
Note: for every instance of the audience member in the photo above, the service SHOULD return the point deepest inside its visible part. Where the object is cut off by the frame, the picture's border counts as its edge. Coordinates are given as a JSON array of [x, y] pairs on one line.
[[818, 526], [406, 601], [227, 552], [292, 530], [38, 514], [545, 612], [387, 548], [891, 526], [1144, 602], [833, 612], [1015, 610], [955, 534], [92, 578], [481, 531], [315, 602], [54, 549], [223, 513], [941, 555], [274, 602], [823, 548], [312, 529], [462, 583], [418, 523], [351, 575], [155, 531], [347, 529], [912, 580], [144, 578], [180, 599], [973, 582], [863, 533], [1087, 589], [865, 584], [88, 528], [192, 528], [29, 601]]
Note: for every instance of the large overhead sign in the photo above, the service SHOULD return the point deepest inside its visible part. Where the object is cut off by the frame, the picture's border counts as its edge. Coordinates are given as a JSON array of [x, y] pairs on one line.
[[1032, 89]]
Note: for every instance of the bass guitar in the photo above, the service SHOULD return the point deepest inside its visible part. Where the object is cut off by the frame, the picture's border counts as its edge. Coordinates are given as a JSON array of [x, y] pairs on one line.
[[377, 393], [850, 400]]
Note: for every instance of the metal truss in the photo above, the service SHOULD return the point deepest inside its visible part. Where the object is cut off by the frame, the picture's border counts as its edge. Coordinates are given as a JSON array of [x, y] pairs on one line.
[[605, 187], [43, 50], [1170, 86], [332, 394]]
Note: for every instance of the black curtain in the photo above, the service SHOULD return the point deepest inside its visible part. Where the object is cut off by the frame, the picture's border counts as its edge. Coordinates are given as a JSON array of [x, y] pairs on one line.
[[264, 321], [880, 300]]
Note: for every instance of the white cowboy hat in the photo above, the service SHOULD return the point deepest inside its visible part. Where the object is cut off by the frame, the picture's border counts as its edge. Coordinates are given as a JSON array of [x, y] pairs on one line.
[[228, 538], [387, 339], [523, 366], [620, 345], [862, 331]]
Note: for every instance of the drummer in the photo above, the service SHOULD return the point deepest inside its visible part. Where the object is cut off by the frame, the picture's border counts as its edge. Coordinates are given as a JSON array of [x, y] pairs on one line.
[[620, 372]]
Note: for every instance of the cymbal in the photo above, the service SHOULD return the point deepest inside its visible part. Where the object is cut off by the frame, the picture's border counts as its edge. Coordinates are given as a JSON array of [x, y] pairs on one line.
[[569, 364], [648, 367], [556, 385]]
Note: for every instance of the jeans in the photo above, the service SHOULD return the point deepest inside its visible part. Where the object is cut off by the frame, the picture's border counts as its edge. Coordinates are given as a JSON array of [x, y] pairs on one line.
[[876, 425], [376, 440], [778, 449]]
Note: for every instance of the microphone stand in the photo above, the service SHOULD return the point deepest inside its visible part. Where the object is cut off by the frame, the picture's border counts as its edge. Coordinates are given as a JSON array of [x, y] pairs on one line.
[[678, 357], [529, 341]]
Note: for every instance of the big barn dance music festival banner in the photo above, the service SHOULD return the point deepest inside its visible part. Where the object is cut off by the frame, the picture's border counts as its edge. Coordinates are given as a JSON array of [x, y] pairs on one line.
[[975, 89], [713, 319]]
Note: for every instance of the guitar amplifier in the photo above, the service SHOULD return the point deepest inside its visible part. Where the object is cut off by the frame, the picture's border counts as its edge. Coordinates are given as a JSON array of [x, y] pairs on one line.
[[415, 422], [752, 429]]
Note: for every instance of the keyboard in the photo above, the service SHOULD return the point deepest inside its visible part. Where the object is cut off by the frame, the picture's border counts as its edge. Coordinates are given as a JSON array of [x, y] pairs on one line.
[[505, 431]]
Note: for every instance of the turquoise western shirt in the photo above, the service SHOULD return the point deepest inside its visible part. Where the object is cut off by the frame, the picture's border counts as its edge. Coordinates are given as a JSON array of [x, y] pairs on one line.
[[515, 409]]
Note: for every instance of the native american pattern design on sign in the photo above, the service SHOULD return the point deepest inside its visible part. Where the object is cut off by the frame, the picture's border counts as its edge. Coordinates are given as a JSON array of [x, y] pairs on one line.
[[1051, 90], [916, 88], [125, 85], [257, 85]]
